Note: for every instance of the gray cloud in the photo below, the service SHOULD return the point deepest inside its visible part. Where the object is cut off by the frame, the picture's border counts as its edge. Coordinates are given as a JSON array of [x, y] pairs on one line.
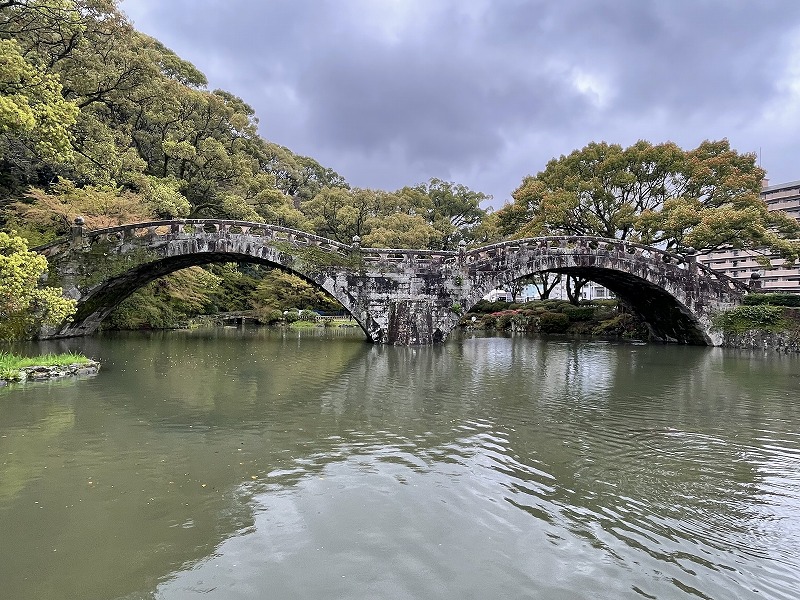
[[483, 93]]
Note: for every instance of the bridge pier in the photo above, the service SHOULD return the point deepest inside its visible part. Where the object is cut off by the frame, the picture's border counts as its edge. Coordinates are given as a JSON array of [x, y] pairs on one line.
[[412, 323]]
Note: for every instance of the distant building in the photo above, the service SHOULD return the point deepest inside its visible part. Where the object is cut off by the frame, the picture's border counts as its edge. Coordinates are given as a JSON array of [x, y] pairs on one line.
[[591, 291], [741, 264]]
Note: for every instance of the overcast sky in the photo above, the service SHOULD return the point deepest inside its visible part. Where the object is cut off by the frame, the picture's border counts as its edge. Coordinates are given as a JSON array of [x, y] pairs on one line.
[[483, 92]]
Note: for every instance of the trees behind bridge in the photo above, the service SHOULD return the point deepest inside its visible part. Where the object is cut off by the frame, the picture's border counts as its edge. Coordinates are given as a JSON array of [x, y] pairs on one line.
[[705, 199], [95, 113], [702, 199]]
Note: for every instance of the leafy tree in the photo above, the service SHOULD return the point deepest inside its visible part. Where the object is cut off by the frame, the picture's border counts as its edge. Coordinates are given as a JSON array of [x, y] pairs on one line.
[[436, 215], [24, 306], [299, 177], [163, 197], [168, 301], [34, 117], [454, 211], [41, 216], [400, 230], [706, 198], [575, 285], [237, 282], [342, 213], [544, 282], [339, 214]]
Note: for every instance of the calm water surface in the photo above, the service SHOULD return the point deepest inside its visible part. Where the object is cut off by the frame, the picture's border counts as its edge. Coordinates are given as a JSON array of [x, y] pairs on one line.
[[244, 464]]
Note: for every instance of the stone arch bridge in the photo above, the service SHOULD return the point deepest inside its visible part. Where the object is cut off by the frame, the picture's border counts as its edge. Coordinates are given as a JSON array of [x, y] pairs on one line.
[[398, 296]]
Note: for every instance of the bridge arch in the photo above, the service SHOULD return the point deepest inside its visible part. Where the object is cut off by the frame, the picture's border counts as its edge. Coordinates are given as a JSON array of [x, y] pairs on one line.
[[672, 294], [102, 268]]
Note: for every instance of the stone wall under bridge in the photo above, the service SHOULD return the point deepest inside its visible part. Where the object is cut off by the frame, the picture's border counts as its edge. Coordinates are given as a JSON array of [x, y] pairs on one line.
[[397, 296]]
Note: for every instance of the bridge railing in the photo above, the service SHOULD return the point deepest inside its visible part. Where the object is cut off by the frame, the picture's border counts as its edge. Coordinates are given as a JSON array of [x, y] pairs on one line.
[[274, 233], [393, 256], [397, 256], [222, 227]]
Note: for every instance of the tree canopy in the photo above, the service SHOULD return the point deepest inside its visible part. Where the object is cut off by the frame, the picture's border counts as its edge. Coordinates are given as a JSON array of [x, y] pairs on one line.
[[706, 198]]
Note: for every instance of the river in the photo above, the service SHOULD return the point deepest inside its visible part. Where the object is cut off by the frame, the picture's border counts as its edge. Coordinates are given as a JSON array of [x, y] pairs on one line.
[[255, 463]]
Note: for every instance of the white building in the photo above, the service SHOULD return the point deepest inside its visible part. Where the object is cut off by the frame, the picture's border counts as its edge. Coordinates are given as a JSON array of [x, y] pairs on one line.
[[591, 291]]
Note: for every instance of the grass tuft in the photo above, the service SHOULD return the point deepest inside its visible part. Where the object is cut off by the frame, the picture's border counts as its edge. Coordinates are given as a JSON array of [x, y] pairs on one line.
[[10, 364]]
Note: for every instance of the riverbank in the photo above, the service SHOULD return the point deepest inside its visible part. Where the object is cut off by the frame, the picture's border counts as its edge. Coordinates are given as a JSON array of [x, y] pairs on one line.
[[601, 318], [784, 342], [15, 368], [760, 327]]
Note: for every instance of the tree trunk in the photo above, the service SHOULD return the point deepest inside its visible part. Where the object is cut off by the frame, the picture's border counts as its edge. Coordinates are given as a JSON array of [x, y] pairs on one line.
[[574, 287], [547, 286]]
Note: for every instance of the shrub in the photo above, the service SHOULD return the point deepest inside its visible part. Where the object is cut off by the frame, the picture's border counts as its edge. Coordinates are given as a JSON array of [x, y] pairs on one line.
[[487, 322], [553, 322], [745, 317], [504, 319], [269, 316], [579, 313], [484, 306], [622, 325], [776, 299]]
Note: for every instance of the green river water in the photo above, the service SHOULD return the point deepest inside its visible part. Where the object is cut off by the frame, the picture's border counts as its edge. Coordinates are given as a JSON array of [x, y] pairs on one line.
[[254, 463]]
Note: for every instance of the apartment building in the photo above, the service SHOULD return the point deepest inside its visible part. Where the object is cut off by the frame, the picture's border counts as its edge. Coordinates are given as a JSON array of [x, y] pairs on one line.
[[741, 264]]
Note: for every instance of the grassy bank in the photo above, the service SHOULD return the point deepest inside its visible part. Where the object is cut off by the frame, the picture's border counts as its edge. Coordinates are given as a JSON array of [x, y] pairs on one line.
[[12, 364]]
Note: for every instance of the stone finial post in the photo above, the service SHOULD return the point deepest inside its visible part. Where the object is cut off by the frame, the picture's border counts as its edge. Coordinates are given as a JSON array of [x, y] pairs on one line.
[[356, 242], [755, 281], [691, 258], [77, 232], [462, 250], [692, 284]]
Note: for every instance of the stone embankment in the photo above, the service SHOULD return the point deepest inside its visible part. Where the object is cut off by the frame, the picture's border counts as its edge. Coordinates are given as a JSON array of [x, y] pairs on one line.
[[784, 342], [40, 373]]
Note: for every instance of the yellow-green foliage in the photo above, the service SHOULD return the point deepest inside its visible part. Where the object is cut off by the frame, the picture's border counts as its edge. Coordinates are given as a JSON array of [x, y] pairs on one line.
[[24, 305], [281, 291], [32, 107], [163, 197], [43, 216]]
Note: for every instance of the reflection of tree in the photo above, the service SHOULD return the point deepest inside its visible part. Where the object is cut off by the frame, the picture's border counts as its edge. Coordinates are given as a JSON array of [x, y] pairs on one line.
[[24, 455]]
